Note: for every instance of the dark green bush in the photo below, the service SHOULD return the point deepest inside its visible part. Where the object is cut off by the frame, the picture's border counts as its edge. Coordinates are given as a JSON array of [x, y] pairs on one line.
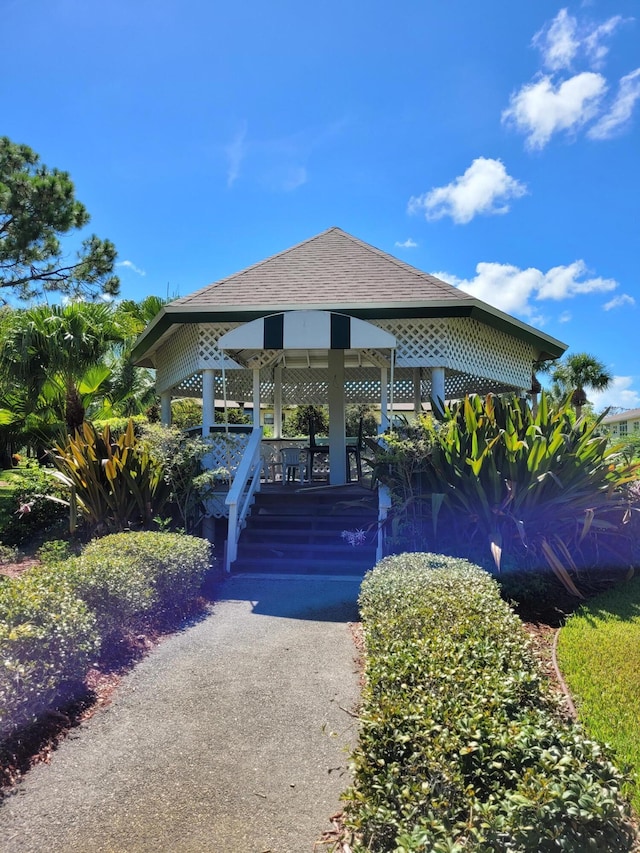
[[461, 748], [124, 576], [47, 638], [31, 489]]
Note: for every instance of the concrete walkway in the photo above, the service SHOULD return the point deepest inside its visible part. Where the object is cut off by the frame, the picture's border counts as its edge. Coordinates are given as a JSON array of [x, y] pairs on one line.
[[221, 740]]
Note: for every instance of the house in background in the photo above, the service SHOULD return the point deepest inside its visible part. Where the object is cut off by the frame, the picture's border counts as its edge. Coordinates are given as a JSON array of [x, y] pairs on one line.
[[623, 423]]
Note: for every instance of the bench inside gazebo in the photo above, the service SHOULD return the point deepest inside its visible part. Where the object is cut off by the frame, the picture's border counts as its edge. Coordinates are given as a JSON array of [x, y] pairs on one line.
[[331, 321]]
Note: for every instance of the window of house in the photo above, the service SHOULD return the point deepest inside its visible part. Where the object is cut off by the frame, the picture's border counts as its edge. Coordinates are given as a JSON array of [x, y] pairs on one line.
[[623, 428], [636, 426], [268, 419]]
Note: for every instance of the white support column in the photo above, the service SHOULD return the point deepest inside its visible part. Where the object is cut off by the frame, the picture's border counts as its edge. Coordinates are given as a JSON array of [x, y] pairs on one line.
[[256, 398], [165, 408], [437, 385], [208, 400], [277, 402], [417, 391], [384, 399], [337, 441]]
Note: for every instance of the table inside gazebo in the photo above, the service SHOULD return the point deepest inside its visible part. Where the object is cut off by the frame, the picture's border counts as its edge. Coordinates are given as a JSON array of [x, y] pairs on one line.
[[319, 470]]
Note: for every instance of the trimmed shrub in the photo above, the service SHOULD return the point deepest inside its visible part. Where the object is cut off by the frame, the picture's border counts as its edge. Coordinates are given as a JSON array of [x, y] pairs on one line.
[[124, 576], [47, 638], [461, 747]]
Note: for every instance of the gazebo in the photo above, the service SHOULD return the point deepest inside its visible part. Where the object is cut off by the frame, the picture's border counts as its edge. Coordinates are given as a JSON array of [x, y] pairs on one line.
[[333, 320]]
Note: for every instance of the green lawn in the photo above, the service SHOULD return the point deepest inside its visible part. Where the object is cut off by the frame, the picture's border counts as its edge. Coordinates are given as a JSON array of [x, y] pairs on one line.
[[599, 655]]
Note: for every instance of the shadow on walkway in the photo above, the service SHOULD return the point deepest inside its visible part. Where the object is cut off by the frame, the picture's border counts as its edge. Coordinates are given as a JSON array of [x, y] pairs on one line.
[[330, 599]]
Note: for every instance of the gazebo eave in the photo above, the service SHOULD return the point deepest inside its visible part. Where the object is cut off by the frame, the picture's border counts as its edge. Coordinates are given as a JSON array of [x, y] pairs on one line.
[[172, 316]]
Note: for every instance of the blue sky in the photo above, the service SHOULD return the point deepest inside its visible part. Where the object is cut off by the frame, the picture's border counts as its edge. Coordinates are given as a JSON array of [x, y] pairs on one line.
[[496, 144]]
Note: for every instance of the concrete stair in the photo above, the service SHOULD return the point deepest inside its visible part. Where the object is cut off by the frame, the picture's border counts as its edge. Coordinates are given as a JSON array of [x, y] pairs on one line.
[[299, 531]]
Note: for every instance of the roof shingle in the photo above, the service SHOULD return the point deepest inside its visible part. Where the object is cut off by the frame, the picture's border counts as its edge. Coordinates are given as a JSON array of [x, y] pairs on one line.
[[332, 267]]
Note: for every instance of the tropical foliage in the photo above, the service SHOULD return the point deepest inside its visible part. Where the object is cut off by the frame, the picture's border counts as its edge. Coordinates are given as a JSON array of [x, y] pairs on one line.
[[116, 482], [574, 374], [531, 491]]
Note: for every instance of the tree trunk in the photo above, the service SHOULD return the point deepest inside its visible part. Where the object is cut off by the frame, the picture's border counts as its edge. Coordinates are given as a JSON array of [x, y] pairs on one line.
[[74, 410]]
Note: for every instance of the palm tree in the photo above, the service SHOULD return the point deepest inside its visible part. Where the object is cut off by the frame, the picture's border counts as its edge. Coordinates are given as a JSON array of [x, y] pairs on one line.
[[132, 389], [577, 372], [542, 365], [58, 353]]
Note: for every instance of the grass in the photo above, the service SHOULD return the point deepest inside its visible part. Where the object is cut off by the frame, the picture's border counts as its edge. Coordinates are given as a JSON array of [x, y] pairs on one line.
[[599, 655]]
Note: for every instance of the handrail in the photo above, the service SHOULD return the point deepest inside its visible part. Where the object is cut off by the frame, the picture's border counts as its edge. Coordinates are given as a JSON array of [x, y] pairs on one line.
[[246, 483], [384, 505]]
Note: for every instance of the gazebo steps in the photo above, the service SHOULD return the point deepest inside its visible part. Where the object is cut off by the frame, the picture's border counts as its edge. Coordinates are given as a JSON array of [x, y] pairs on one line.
[[301, 532]]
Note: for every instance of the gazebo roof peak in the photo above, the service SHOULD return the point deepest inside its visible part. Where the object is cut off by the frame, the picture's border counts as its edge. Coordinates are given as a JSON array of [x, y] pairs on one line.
[[332, 268], [337, 272]]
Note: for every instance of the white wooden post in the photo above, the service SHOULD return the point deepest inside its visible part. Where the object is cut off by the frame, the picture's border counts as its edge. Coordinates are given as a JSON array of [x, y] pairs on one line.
[[277, 402], [208, 400], [256, 398], [437, 385], [165, 408], [417, 391], [337, 441], [384, 399]]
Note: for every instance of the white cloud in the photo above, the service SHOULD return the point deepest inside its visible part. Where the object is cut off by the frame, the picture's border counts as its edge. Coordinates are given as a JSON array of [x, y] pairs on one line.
[[540, 109], [621, 110], [485, 188], [408, 244], [619, 393], [619, 301], [236, 151], [131, 266], [565, 317], [558, 41], [594, 47], [517, 291], [564, 39]]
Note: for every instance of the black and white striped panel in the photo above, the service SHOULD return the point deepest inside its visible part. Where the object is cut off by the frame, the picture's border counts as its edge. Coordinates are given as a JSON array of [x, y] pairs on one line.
[[301, 330]]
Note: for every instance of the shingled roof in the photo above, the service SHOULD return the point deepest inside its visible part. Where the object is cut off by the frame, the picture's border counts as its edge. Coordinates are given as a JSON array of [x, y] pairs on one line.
[[337, 272], [332, 268]]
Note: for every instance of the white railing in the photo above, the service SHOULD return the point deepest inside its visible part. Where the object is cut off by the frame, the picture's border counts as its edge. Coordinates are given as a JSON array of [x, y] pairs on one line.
[[384, 505], [241, 494]]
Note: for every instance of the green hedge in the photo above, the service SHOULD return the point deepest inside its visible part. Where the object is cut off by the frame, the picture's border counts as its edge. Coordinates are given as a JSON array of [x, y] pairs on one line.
[[461, 748], [54, 618], [47, 638], [124, 576]]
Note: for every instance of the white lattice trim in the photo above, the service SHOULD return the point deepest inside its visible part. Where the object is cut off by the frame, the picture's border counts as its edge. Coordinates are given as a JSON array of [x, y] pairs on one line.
[[464, 345], [362, 385], [420, 342], [209, 356], [480, 350], [177, 359]]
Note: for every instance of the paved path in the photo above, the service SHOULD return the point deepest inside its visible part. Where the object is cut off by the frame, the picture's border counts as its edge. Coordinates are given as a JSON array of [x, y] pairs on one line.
[[221, 740]]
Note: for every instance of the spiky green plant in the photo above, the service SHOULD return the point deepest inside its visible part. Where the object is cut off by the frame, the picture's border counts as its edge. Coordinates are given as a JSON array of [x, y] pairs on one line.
[[116, 482], [537, 487]]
